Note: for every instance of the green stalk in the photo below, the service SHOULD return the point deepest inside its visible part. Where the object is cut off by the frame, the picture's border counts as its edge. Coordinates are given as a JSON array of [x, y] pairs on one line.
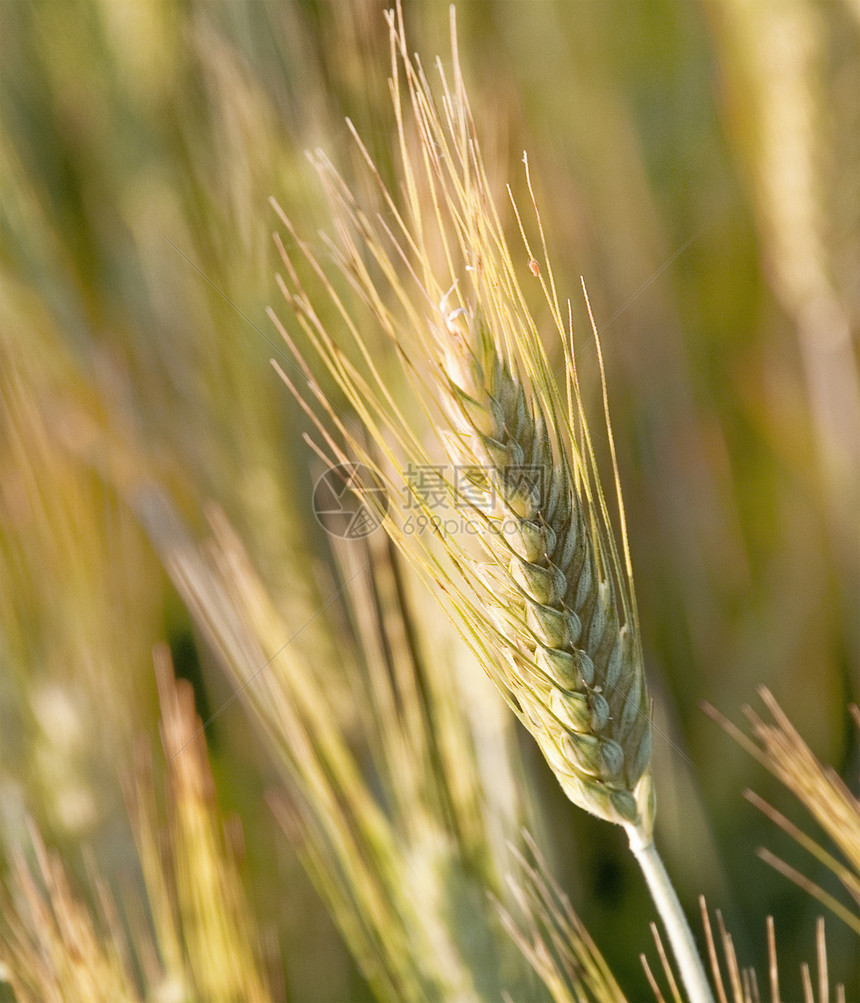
[[675, 922]]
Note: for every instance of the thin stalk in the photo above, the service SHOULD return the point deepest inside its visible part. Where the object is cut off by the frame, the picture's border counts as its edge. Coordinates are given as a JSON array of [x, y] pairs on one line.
[[678, 930]]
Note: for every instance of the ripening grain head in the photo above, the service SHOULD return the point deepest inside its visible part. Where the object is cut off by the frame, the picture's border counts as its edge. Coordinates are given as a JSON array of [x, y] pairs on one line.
[[528, 563]]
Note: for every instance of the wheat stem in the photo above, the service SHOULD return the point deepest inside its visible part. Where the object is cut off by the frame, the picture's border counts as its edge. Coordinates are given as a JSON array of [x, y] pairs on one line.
[[678, 930]]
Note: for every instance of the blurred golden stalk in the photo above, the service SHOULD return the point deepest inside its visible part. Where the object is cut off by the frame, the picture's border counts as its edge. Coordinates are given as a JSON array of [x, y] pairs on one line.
[[55, 946]]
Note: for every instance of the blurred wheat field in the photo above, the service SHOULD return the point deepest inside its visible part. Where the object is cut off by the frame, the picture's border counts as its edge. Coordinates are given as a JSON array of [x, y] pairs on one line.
[[345, 822]]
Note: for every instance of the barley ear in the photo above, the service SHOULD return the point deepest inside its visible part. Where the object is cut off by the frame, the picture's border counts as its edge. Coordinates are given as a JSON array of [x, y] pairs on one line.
[[546, 598], [569, 661]]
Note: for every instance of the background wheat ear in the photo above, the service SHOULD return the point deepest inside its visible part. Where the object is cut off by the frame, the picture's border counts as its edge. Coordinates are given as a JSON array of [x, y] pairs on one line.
[[781, 749], [186, 932], [738, 983]]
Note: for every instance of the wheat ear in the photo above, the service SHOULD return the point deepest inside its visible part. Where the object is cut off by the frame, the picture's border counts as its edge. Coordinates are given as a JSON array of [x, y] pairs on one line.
[[548, 606], [569, 661]]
